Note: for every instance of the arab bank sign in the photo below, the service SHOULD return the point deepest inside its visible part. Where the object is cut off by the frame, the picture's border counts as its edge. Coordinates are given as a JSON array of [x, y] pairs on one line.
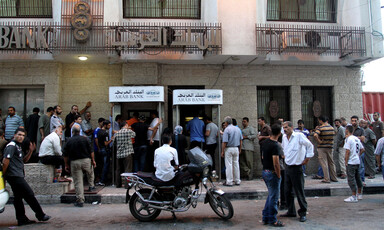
[[136, 94], [198, 97]]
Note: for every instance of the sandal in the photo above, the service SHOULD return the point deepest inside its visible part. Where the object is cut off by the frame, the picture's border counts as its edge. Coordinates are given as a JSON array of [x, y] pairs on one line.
[[325, 181], [277, 224]]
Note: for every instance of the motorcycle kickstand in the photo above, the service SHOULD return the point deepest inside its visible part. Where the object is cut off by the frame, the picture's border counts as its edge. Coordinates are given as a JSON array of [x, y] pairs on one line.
[[174, 216]]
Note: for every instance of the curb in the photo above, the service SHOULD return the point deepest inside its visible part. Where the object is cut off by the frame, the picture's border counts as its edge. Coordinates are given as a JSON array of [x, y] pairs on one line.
[[247, 195]]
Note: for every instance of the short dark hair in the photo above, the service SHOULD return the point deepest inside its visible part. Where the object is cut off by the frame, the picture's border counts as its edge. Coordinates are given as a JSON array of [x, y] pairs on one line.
[[11, 107], [246, 118], [106, 122], [323, 118], [100, 120], [337, 120], [354, 116], [234, 122], [20, 130], [155, 113], [276, 129], [49, 109], [207, 118], [36, 110], [55, 107], [349, 128], [123, 123], [118, 117], [73, 106], [378, 114], [300, 122], [261, 118], [77, 117], [166, 139]]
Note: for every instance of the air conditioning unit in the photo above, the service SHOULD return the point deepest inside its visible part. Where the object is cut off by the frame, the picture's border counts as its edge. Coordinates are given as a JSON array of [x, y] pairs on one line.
[[311, 39]]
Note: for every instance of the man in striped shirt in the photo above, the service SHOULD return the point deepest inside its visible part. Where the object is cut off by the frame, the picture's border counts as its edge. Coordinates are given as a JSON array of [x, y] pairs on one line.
[[324, 135], [12, 122]]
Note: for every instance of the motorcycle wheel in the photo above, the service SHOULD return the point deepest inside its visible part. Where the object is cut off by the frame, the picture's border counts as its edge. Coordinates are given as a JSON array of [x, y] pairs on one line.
[[221, 206], [140, 210]]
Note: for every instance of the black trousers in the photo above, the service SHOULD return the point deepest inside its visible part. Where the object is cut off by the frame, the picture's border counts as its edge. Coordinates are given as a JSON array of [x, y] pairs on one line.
[[151, 156], [282, 189], [211, 149], [57, 161], [21, 190], [196, 143], [294, 181]]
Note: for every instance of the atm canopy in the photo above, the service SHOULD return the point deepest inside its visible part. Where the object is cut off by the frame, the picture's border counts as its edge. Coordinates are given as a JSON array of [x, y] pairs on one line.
[[198, 97], [136, 94]]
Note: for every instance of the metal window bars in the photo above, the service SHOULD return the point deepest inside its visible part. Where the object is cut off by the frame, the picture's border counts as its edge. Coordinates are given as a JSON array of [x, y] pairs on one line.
[[315, 40]]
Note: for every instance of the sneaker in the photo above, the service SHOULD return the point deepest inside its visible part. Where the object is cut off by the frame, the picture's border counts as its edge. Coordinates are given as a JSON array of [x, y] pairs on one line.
[[100, 184], [305, 175], [359, 196], [351, 199]]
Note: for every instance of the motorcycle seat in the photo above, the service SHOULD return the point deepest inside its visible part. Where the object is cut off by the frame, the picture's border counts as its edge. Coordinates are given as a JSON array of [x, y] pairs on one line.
[[150, 178]]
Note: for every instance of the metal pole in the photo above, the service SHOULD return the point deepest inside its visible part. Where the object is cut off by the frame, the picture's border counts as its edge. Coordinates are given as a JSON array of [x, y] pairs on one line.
[[177, 115], [113, 148], [161, 124], [219, 125]]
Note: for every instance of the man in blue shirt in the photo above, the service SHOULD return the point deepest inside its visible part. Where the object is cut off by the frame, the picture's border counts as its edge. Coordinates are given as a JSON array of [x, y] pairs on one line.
[[12, 122], [196, 129]]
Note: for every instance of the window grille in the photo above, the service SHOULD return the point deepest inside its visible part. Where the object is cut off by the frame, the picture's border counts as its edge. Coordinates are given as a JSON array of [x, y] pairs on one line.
[[25, 8], [265, 95], [309, 95], [302, 10], [183, 9]]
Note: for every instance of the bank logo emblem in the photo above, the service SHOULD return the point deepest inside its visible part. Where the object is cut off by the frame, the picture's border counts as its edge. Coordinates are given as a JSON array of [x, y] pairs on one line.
[[81, 22]]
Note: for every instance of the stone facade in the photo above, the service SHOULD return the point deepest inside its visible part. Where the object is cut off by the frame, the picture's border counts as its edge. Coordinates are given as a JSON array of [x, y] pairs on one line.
[[68, 84]]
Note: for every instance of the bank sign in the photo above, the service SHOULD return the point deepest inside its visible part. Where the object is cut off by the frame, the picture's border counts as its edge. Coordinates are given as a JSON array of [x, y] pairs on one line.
[[136, 94], [198, 97]]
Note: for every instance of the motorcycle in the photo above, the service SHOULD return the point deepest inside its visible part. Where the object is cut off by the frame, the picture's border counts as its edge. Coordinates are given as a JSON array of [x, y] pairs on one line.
[[4, 195], [152, 195]]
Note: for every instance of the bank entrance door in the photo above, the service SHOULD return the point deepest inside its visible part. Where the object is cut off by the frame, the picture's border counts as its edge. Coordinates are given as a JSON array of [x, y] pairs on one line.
[[189, 102], [130, 99]]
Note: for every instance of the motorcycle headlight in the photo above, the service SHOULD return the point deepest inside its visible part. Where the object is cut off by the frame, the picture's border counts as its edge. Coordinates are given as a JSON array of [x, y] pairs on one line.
[[206, 171]]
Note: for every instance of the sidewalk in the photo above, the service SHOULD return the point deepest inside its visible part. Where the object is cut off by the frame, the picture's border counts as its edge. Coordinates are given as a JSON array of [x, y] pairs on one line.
[[254, 189]]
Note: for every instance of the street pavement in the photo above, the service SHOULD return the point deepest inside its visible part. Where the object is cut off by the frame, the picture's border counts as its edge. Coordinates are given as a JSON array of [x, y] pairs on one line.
[[323, 213]]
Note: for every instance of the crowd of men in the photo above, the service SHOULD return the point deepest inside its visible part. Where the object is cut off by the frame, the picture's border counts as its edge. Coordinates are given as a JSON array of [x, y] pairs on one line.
[[350, 151]]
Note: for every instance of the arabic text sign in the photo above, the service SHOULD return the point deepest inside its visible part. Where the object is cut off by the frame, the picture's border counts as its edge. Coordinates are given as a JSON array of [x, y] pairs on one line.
[[198, 97], [136, 94], [169, 36]]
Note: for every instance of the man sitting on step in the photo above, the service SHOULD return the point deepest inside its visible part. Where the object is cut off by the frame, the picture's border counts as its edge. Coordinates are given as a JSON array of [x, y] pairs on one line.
[[50, 153]]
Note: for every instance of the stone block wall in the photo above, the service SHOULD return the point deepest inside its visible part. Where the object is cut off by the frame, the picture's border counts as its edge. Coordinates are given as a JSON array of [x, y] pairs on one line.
[[239, 84], [33, 74]]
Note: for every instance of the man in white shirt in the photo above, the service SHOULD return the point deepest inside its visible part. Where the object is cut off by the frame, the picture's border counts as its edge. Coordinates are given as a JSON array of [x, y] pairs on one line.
[[297, 152], [50, 151], [165, 168], [153, 137], [353, 150]]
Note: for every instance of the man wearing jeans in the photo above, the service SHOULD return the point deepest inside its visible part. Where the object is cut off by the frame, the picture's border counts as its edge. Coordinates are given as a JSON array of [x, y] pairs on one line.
[[231, 147], [297, 152], [271, 176]]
